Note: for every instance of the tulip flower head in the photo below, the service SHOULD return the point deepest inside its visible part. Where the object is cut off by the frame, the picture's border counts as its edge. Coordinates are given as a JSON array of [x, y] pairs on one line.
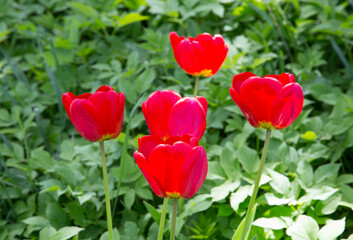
[[167, 115], [200, 56], [97, 116], [175, 168], [270, 102]]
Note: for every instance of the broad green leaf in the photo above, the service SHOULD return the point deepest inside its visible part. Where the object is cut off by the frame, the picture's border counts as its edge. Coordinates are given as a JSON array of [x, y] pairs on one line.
[[144, 80], [65, 233], [155, 214], [40, 221], [229, 163], [248, 159], [116, 235], [238, 232], [42, 159], [128, 89], [304, 228], [309, 135], [306, 174], [85, 9], [222, 191], [131, 18], [129, 198], [271, 223], [332, 229], [279, 182], [325, 171], [239, 196]]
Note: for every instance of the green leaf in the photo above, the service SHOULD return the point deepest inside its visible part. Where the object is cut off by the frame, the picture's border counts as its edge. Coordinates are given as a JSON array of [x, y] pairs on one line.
[[128, 89], [131, 18], [65, 233], [325, 171], [129, 198], [39, 221], [304, 228], [309, 135], [332, 229], [305, 172], [239, 196], [84, 9], [144, 80], [155, 214], [248, 159], [222, 191], [229, 164], [42, 160], [238, 232], [279, 182], [271, 223], [116, 235]]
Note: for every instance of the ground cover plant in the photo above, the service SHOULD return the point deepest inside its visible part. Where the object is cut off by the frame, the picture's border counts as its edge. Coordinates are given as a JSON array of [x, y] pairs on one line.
[[51, 181]]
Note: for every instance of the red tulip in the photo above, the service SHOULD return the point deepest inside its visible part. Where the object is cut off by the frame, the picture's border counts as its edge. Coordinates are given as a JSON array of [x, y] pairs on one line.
[[175, 168], [270, 102], [200, 56], [97, 116], [169, 115]]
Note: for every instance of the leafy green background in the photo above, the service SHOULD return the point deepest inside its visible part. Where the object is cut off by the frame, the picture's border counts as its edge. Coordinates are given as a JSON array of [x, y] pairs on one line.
[[51, 183]]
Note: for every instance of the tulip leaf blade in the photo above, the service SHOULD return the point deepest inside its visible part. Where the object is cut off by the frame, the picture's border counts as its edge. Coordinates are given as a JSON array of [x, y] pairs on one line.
[[238, 232]]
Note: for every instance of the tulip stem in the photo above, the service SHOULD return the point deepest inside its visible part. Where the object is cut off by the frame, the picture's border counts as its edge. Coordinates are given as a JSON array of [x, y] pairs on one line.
[[161, 223], [173, 222], [106, 188], [196, 87], [248, 217]]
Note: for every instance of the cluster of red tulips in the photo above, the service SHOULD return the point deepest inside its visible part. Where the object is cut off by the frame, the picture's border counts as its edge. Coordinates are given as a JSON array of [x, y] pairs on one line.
[[170, 157]]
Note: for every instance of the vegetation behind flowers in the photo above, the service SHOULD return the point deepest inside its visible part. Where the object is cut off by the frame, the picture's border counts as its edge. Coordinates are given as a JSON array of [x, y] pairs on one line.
[[51, 177]]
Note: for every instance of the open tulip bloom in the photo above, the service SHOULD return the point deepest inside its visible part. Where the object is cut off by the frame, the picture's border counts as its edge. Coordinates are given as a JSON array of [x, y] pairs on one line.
[[170, 158], [97, 117], [201, 56], [270, 102], [167, 115]]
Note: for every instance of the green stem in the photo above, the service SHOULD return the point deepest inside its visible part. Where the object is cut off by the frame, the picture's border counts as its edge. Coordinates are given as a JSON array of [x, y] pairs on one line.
[[173, 223], [196, 87], [248, 218], [161, 223], [106, 188]]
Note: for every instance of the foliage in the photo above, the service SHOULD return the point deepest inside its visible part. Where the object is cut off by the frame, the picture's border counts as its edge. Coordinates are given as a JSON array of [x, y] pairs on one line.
[[51, 182]]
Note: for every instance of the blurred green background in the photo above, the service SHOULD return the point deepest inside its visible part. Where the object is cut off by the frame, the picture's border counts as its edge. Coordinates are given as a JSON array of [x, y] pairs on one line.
[[50, 177]]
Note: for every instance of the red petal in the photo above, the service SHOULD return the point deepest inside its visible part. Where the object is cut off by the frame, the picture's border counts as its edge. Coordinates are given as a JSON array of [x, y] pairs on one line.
[[157, 110], [284, 78], [104, 88], [193, 172], [148, 143], [189, 56], [165, 163], [187, 117], [142, 163], [238, 101], [203, 102], [240, 78], [86, 119], [258, 96], [67, 99], [215, 51], [84, 96], [287, 106], [110, 107], [175, 41]]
